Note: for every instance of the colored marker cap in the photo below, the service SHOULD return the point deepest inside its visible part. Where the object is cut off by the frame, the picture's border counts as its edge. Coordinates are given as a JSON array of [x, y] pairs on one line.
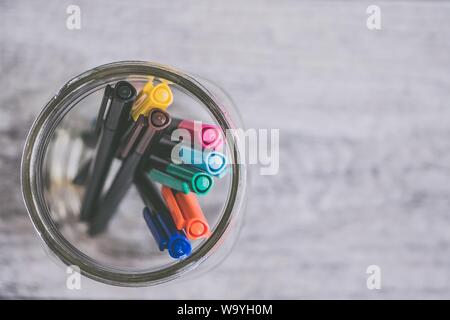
[[158, 118], [197, 228], [208, 135], [202, 183], [179, 246], [124, 90], [213, 162], [150, 97], [216, 162], [211, 137], [161, 96], [186, 213], [166, 235], [196, 225]]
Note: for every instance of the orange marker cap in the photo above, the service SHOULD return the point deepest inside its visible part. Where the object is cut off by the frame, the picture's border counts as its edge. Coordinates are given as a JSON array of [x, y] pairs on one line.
[[186, 213], [196, 225]]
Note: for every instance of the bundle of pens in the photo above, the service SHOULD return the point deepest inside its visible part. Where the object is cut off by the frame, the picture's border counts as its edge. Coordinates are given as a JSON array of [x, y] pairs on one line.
[[136, 129]]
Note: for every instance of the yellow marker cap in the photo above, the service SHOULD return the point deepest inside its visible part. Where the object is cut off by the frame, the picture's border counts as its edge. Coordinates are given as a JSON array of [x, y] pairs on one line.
[[159, 96]]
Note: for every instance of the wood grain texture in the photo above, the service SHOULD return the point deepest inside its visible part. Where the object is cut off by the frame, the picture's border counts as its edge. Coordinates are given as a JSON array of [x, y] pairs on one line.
[[365, 137]]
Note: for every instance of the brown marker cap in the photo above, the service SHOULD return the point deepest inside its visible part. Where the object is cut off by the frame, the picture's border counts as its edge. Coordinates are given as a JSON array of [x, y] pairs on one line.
[[159, 119]]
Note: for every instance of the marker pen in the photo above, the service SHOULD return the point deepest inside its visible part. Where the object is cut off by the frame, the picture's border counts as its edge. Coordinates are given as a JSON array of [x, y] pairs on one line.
[[207, 135], [213, 162], [199, 181], [159, 220], [89, 138], [150, 97], [168, 180], [82, 173], [186, 213], [126, 144], [166, 235], [110, 126], [157, 120], [133, 135]]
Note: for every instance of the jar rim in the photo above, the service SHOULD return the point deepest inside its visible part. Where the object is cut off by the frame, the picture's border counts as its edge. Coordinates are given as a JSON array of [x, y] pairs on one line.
[[37, 142]]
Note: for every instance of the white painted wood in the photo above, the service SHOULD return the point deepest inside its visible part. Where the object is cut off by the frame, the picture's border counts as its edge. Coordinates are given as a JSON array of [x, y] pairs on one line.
[[365, 137]]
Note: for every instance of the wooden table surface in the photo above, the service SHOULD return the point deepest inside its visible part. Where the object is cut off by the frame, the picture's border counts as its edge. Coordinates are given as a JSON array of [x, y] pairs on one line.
[[364, 121]]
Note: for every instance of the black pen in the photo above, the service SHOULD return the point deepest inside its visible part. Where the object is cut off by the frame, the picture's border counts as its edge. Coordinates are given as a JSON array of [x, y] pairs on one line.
[[110, 126], [149, 194], [82, 173], [90, 140], [132, 154]]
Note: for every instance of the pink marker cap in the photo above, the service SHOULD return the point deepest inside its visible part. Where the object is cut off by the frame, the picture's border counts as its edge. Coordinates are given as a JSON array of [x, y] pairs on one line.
[[208, 135]]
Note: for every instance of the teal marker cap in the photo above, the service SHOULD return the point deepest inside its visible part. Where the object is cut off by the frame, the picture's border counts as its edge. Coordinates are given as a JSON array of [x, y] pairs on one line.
[[213, 162], [200, 182], [216, 163]]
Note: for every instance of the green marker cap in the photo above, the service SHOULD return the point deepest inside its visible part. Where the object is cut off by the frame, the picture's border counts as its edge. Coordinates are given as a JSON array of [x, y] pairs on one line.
[[200, 182]]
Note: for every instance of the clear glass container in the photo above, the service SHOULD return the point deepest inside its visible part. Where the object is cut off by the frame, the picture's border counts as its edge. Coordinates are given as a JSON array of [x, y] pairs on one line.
[[125, 255]]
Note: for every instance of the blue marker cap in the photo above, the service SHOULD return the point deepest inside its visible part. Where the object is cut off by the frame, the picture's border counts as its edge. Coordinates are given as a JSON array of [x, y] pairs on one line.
[[179, 246], [217, 163], [213, 162], [166, 234]]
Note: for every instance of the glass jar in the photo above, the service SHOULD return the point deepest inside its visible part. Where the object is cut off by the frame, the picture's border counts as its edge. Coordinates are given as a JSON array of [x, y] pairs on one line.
[[57, 146]]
